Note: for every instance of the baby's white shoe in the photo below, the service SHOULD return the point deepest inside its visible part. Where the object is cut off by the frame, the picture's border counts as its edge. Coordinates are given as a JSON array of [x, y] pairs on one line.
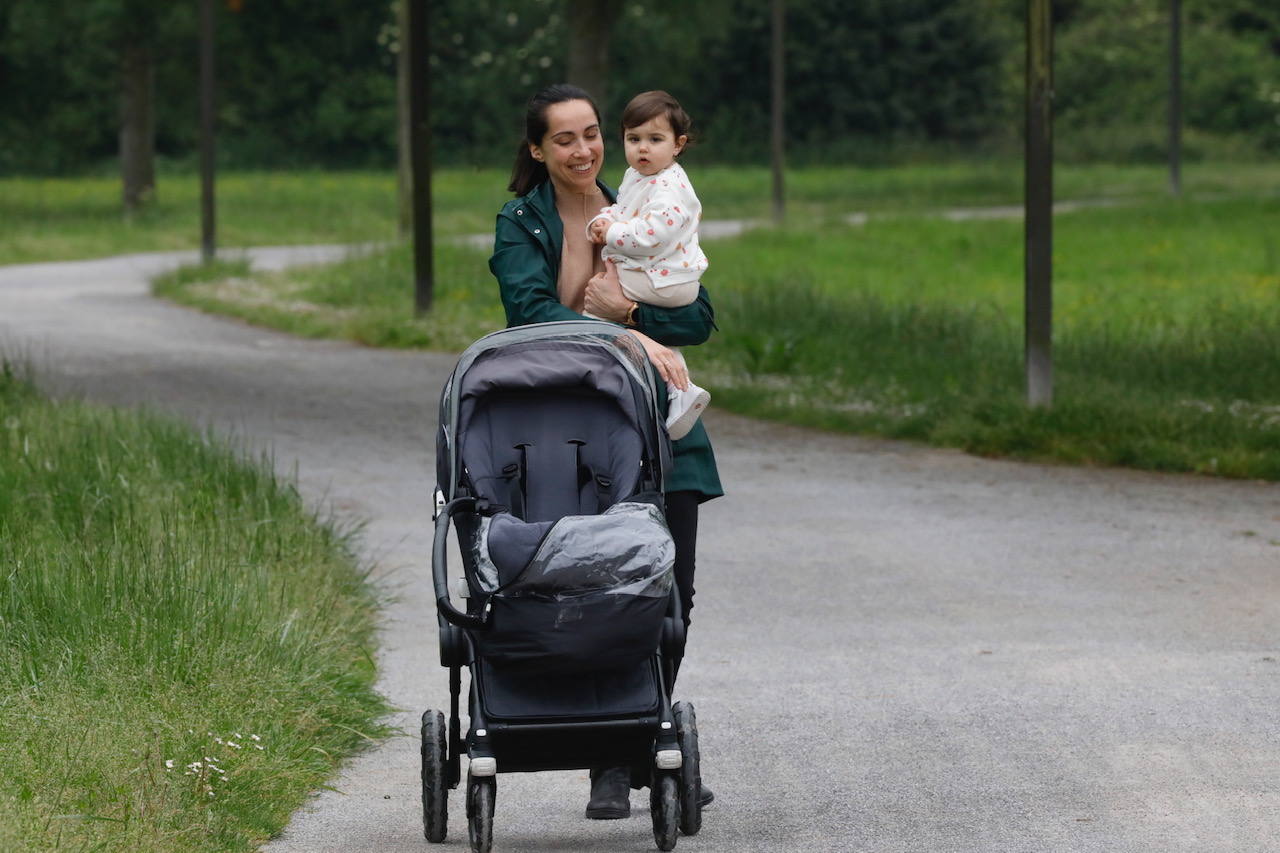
[[684, 408]]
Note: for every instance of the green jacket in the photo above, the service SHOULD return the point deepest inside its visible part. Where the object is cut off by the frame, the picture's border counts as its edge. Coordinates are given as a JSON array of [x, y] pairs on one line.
[[527, 243]]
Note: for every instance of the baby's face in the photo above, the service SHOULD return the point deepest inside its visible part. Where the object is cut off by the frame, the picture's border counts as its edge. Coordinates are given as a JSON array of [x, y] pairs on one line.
[[652, 146]]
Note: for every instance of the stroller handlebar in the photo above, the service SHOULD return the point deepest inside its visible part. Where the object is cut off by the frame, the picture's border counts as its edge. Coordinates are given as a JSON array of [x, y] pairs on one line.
[[439, 565]]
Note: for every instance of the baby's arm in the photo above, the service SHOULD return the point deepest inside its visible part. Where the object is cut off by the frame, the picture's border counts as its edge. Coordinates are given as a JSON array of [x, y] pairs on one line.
[[599, 224], [655, 229], [598, 228]]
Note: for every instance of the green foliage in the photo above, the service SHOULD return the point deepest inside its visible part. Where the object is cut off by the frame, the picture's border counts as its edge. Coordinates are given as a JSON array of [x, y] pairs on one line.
[[60, 72], [488, 57], [312, 82], [1111, 77], [183, 646], [307, 82]]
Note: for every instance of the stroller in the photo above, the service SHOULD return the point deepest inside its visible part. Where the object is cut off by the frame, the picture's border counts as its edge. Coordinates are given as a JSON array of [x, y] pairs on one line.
[[550, 458]]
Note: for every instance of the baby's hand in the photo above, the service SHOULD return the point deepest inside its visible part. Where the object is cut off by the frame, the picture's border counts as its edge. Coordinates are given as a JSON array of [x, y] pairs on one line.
[[598, 229]]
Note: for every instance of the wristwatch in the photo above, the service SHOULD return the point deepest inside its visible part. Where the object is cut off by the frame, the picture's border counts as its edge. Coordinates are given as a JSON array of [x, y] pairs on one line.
[[631, 314]]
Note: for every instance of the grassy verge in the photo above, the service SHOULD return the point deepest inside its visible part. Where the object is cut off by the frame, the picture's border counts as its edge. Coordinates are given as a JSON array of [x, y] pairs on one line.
[[69, 218], [1167, 352], [368, 298], [182, 645]]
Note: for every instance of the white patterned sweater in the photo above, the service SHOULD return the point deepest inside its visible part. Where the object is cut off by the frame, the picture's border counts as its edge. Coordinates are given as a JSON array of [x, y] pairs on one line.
[[655, 227]]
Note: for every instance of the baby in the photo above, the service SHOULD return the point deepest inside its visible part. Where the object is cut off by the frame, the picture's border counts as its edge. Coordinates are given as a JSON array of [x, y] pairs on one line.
[[651, 233]]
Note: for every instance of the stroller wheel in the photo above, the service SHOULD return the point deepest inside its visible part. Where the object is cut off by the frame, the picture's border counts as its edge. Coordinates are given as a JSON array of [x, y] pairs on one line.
[[435, 781], [690, 769], [480, 799], [664, 807]]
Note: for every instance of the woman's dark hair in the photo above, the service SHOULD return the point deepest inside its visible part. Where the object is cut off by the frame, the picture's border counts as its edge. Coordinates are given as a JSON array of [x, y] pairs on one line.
[[650, 105], [527, 172]]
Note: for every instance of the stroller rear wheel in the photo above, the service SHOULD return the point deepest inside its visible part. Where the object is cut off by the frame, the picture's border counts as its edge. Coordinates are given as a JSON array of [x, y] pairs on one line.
[[690, 768], [435, 780], [480, 800], [664, 807]]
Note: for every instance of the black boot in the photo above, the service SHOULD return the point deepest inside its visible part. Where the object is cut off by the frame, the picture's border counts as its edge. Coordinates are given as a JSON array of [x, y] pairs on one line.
[[705, 797], [610, 793]]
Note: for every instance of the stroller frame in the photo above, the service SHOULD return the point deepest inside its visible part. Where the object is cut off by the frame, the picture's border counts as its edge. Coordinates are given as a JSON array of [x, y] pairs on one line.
[[644, 730]]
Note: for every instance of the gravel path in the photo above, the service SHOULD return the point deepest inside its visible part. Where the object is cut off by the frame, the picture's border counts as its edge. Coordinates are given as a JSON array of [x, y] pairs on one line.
[[895, 648]]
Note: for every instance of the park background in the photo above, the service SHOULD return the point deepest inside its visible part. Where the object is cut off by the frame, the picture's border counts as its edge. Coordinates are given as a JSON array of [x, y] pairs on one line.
[[896, 114], [889, 302]]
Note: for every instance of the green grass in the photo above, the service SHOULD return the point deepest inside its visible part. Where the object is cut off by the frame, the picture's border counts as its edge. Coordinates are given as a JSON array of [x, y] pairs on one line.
[[1165, 309], [1167, 335], [1167, 324], [70, 218], [368, 298], [183, 646]]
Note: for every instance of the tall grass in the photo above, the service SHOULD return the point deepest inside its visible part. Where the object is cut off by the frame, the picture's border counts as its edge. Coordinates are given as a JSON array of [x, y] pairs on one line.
[[1167, 352], [182, 645]]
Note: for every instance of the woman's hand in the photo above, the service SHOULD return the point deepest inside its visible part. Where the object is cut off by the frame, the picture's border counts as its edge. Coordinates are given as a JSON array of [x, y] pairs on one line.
[[670, 364], [604, 297]]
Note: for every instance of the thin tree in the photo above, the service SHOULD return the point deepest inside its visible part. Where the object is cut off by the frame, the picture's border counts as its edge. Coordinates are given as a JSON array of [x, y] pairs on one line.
[[419, 45], [1175, 96], [1038, 190], [777, 112], [590, 31], [404, 146], [137, 108], [208, 215]]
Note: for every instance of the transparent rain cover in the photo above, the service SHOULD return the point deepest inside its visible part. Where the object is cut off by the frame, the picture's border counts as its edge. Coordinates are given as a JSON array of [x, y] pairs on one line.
[[627, 550]]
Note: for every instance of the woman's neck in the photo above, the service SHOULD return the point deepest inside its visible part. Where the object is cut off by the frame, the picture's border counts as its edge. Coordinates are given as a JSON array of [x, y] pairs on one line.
[[565, 191], [576, 204]]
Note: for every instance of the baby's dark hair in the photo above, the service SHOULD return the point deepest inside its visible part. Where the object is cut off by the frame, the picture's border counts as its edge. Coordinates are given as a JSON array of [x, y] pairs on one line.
[[650, 105]]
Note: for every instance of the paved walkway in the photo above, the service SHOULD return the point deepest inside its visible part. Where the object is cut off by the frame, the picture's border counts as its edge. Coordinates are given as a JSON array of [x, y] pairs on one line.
[[895, 648]]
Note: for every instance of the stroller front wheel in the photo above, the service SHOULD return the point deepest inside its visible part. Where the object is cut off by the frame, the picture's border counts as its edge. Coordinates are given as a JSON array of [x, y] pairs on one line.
[[664, 807], [481, 793], [435, 782], [690, 768]]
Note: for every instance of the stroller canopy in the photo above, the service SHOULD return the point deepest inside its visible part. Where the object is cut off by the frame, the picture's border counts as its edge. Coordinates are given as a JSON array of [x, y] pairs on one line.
[[568, 409]]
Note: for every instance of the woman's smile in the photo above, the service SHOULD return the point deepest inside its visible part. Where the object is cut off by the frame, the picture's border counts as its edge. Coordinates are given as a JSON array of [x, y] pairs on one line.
[[572, 149]]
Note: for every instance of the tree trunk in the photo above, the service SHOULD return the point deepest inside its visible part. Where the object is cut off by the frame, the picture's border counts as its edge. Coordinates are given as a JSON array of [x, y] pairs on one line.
[[404, 162], [137, 125], [590, 28], [777, 106]]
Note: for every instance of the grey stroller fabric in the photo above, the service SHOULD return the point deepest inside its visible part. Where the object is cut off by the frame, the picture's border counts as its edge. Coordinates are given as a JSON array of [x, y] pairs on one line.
[[598, 362], [556, 431], [627, 551]]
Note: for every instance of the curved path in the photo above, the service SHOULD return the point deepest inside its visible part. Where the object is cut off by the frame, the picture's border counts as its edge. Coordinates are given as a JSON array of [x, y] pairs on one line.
[[895, 648]]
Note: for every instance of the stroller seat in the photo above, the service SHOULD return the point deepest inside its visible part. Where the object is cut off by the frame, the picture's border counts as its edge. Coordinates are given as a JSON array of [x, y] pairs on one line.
[[552, 453]]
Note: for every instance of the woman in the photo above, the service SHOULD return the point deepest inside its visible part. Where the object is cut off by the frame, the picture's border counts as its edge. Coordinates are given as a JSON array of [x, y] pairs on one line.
[[548, 269]]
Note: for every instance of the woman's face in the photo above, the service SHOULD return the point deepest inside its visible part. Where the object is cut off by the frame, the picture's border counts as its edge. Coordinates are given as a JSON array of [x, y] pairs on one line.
[[572, 148]]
